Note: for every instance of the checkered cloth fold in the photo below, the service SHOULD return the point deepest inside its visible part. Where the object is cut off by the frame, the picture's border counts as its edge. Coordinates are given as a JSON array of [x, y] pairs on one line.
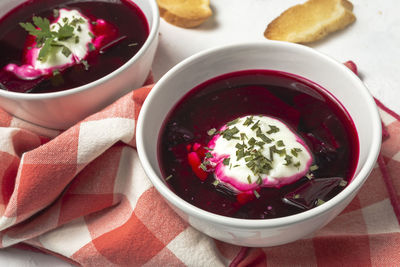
[[82, 195]]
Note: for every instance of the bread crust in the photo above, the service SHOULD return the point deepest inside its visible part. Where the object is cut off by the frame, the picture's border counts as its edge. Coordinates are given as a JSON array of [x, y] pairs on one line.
[[311, 21], [185, 13]]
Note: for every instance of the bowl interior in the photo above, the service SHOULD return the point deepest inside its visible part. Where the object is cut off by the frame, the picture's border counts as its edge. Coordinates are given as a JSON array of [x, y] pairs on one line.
[[337, 79]]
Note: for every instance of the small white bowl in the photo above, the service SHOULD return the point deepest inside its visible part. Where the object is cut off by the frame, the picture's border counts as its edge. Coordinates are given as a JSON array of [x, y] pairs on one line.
[[60, 110], [292, 58]]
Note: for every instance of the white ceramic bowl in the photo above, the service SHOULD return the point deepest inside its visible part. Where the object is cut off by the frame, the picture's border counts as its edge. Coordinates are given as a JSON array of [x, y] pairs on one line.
[[292, 58], [60, 110]]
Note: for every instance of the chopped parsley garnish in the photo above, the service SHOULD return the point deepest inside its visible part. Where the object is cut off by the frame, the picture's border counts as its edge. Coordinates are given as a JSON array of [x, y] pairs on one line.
[[55, 72], [240, 146], [260, 144], [263, 136], [248, 121], [313, 167], [203, 167], [226, 161], [252, 141], [289, 160], [240, 154], [66, 52], [91, 47], [280, 143], [56, 13], [249, 179], [295, 151], [76, 21], [272, 129], [48, 40], [319, 202], [85, 64], [310, 176], [229, 134], [343, 183], [232, 122], [216, 182], [208, 155], [280, 152], [65, 32], [211, 131], [255, 126], [256, 194], [254, 150]]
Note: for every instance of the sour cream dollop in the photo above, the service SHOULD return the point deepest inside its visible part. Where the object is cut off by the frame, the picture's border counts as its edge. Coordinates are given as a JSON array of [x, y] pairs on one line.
[[71, 51], [258, 151]]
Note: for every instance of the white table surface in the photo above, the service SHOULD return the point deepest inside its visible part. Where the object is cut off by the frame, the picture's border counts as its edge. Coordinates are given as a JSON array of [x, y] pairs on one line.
[[372, 42]]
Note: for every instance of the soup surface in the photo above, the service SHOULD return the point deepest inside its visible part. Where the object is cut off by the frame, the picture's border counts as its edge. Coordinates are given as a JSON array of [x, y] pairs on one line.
[[319, 120], [125, 29]]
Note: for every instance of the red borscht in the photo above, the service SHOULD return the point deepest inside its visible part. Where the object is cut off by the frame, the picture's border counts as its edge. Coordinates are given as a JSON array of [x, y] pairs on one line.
[[32, 32], [221, 107]]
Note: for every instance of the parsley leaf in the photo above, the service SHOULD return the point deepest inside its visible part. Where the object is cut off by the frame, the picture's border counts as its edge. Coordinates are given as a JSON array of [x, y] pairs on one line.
[[45, 50], [47, 39], [43, 24], [226, 161], [29, 28], [65, 32]]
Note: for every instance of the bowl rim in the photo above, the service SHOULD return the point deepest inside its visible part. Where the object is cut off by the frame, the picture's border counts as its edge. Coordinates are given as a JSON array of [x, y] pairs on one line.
[[194, 211], [155, 24]]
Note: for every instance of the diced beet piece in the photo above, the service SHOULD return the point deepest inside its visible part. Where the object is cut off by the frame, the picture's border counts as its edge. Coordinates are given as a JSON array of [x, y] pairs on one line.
[[244, 197], [306, 196], [318, 145], [195, 162], [200, 150], [196, 146]]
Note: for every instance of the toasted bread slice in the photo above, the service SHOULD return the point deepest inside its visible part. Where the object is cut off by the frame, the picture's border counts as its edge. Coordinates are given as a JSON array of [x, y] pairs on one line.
[[311, 21], [185, 13]]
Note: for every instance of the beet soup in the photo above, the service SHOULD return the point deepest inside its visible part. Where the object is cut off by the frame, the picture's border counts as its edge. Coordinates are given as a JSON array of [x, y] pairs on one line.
[[117, 29], [197, 135]]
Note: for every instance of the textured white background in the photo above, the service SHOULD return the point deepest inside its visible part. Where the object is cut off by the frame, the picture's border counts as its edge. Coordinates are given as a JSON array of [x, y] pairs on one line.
[[372, 42]]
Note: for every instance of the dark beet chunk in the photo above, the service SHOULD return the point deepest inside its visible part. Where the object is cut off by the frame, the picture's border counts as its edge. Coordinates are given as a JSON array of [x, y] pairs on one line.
[[311, 193]]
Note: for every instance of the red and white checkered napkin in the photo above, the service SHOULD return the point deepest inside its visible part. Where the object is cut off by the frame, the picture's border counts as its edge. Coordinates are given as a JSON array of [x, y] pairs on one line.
[[82, 195]]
